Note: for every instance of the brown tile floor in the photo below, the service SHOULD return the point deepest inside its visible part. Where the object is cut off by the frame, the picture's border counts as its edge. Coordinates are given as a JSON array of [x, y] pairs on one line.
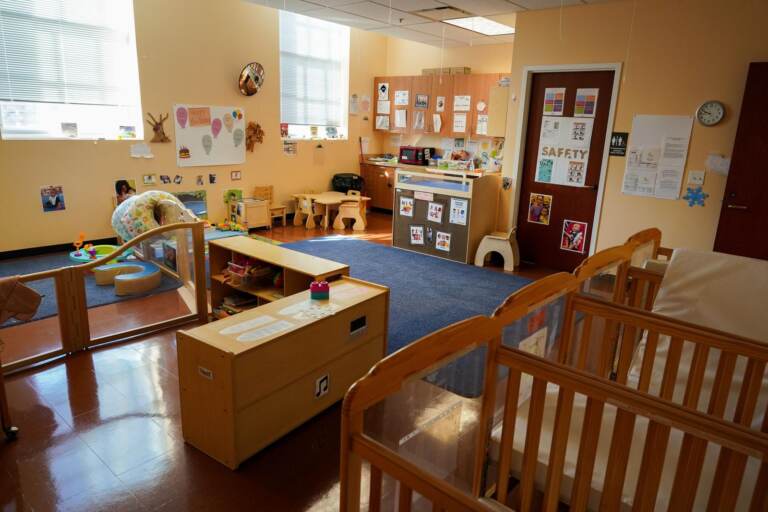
[[101, 430]]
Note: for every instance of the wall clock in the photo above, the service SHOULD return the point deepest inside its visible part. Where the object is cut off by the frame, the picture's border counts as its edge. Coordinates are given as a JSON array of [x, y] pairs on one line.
[[710, 112]]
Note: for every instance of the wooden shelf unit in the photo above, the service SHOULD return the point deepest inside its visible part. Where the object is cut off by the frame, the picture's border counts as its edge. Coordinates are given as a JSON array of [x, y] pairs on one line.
[[299, 269]]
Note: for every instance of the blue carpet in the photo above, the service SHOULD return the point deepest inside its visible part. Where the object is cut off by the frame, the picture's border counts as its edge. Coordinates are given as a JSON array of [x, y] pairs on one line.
[[96, 295], [426, 294]]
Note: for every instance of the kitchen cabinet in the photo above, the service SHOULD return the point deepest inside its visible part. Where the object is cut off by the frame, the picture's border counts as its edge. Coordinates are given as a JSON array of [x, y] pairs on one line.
[[378, 185]]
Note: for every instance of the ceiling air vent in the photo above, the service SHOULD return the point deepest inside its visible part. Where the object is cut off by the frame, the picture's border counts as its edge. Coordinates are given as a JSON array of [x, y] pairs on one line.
[[442, 13]]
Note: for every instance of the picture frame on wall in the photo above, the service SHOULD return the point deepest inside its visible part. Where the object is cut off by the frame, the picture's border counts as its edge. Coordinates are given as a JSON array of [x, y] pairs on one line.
[[417, 234]]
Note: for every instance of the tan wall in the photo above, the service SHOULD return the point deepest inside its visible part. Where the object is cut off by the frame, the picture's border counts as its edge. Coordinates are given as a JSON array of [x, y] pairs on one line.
[[409, 58], [190, 51], [680, 54]]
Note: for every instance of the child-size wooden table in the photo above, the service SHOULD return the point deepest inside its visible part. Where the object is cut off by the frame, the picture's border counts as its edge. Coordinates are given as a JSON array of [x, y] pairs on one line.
[[314, 205]]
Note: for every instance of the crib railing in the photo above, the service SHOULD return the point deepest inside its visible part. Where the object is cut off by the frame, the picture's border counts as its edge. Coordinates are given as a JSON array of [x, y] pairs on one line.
[[71, 301]]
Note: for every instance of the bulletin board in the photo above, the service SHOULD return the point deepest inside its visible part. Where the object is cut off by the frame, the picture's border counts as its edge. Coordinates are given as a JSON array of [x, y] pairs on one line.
[[208, 135]]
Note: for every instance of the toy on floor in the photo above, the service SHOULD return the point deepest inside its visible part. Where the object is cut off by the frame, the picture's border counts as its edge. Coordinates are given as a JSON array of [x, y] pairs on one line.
[[319, 290], [230, 226], [148, 210], [129, 278], [90, 252]]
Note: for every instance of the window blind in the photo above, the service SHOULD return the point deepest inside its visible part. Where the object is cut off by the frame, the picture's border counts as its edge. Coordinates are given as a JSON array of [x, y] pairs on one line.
[[314, 71], [68, 62]]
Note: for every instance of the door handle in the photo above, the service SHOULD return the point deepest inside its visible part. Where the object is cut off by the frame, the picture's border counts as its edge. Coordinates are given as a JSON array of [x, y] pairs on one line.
[[738, 207]]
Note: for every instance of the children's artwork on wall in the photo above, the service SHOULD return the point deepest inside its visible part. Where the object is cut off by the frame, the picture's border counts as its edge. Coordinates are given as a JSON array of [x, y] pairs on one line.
[[430, 234], [212, 179], [253, 134], [157, 128], [165, 179], [382, 107], [554, 101], [586, 102], [574, 236], [417, 235], [194, 201], [208, 135], [141, 150], [178, 179], [283, 130], [443, 242], [52, 198], [422, 101], [236, 175], [200, 181], [401, 98], [406, 206], [440, 104], [695, 196], [383, 91], [564, 150], [365, 103], [233, 194], [458, 213], [435, 212], [124, 189], [539, 208], [149, 179], [290, 148]]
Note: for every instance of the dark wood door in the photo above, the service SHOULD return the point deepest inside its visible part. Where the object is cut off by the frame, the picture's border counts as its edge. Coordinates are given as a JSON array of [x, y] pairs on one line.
[[744, 214], [539, 242]]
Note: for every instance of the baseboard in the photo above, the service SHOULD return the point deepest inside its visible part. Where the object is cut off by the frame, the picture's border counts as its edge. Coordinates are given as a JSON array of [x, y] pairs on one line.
[[47, 249]]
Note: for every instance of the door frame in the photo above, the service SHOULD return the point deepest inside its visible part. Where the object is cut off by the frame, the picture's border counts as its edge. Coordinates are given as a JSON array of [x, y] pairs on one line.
[[522, 127]]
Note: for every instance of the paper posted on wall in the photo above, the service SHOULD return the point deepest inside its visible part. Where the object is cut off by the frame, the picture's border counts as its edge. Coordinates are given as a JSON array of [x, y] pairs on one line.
[[382, 122], [458, 213], [459, 122], [564, 150], [482, 124], [400, 118], [437, 123], [656, 156]]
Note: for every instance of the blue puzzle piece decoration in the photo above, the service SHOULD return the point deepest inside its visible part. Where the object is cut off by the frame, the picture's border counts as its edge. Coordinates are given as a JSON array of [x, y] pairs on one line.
[[695, 196]]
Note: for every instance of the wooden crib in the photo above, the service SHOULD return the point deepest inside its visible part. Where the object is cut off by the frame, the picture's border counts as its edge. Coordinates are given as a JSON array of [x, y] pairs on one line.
[[590, 422]]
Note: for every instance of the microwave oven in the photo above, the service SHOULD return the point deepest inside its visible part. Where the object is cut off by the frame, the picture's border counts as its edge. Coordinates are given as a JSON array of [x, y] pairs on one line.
[[415, 155]]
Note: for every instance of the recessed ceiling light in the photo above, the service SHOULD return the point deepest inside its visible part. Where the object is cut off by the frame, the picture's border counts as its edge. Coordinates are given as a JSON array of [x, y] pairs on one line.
[[482, 26]]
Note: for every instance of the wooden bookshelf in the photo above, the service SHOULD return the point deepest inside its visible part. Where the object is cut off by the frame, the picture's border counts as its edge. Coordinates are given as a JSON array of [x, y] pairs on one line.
[[298, 270]]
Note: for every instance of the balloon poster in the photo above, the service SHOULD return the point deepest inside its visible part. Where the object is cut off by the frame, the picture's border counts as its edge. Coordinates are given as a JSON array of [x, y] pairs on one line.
[[208, 135]]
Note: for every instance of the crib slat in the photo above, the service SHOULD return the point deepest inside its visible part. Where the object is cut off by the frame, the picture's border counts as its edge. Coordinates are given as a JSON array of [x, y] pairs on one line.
[[688, 470], [558, 449], [374, 496], [626, 350], [615, 472], [653, 289], [657, 437], [585, 464], [507, 434], [760, 493], [405, 498], [693, 449], [607, 348], [532, 438], [649, 356], [586, 332], [730, 464]]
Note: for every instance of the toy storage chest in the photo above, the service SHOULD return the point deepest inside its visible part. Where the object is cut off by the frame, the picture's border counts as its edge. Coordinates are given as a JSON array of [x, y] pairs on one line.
[[239, 396]]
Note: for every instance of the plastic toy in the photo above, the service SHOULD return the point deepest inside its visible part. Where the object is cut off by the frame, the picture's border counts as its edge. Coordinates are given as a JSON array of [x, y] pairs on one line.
[[230, 226], [319, 290], [90, 252], [129, 278], [79, 243], [695, 196]]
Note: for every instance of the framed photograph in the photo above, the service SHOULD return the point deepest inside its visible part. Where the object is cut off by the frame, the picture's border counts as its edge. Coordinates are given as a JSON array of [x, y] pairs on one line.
[[178, 179], [422, 101], [417, 235], [52, 198], [165, 179], [574, 236], [406, 206], [200, 180], [212, 179], [236, 175], [149, 179], [435, 213], [539, 208]]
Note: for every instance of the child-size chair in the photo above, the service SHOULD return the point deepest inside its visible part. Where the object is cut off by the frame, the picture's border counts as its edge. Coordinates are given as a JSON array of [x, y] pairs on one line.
[[352, 208], [266, 193], [502, 243]]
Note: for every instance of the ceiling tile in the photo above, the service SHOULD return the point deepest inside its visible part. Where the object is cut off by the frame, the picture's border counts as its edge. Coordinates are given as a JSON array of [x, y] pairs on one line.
[[288, 5], [410, 5], [344, 18], [439, 29], [331, 3], [483, 7], [382, 14], [405, 33], [485, 40], [545, 4]]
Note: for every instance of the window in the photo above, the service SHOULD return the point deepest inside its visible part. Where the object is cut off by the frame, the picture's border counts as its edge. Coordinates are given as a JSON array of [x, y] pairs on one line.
[[314, 77], [68, 69]]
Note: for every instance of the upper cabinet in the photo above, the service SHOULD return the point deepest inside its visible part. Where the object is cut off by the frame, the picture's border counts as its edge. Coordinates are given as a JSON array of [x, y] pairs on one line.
[[446, 105]]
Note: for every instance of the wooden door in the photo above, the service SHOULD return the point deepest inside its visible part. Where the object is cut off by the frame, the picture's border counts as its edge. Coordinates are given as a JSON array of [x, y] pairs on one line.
[[744, 214], [540, 242], [442, 87]]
